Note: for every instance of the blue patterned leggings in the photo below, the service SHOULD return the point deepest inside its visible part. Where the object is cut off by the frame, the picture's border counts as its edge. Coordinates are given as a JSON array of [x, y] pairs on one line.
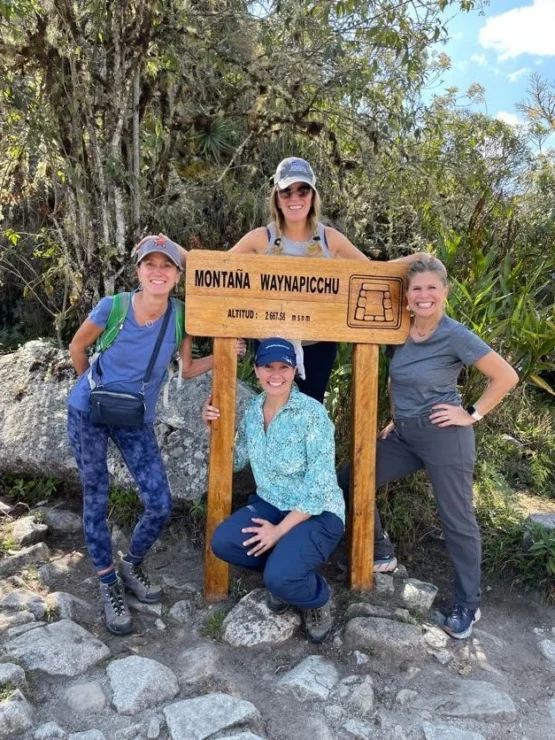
[[140, 452]]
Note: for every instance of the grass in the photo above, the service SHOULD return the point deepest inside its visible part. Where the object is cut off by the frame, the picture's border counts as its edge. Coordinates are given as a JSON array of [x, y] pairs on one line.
[[6, 691], [213, 627], [31, 491], [124, 506]]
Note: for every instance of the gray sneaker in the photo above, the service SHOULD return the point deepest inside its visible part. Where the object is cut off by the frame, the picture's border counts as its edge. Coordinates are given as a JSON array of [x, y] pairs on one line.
[[116, 611], [275, 605], [136, 580], [317, 623]]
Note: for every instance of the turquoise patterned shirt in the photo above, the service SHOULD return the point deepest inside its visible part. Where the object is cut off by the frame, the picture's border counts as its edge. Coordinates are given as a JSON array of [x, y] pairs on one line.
[[293, 462]]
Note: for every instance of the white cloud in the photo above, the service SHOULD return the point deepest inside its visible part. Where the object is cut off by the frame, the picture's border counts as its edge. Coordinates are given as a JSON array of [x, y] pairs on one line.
[[514, 76], [479, 59], [524, 30], [509, 118]]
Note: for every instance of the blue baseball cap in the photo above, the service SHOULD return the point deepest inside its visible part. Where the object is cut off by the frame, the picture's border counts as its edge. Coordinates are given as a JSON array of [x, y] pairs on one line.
[[275, 350], [162, 245], [294, 169]]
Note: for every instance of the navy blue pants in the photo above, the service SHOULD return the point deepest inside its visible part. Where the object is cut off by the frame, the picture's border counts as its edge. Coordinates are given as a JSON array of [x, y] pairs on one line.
[[141, 454], [290, 567]]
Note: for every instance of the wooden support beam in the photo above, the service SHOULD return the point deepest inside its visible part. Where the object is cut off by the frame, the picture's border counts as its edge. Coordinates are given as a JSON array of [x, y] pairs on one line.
[[220, 471], [363, 465]]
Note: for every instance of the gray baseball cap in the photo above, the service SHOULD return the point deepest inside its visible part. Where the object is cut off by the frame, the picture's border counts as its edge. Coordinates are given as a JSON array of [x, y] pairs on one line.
[[162, 245], [294, 169]]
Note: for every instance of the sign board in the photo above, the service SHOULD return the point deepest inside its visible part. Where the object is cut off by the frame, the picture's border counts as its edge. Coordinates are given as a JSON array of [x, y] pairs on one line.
[[238, 295]]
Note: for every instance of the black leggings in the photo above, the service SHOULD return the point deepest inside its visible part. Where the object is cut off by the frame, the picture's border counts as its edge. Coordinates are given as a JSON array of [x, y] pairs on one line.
[[318, 364]]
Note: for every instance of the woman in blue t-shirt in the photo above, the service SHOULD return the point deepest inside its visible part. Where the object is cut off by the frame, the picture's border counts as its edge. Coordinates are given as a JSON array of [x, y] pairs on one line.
[[122, 368], [431, 429]]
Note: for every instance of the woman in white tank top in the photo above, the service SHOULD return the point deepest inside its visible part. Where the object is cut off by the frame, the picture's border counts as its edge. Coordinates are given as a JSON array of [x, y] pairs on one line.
[[295, 230]]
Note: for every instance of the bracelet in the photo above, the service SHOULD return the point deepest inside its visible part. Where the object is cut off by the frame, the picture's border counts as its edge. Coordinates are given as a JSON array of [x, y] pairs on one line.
[[474, 413]]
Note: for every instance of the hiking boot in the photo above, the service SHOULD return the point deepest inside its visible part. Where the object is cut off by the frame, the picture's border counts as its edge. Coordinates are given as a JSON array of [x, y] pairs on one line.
[[459, 622], [317, 623], [116, 611], [275, 605], [381, 565], [136, 580]]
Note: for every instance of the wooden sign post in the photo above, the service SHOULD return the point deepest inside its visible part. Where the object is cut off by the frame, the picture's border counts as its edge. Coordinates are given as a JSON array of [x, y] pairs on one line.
[[252, 296]]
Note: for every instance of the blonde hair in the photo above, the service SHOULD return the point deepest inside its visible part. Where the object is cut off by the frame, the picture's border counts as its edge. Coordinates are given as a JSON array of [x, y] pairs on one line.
[[426, 264], [276, 214]]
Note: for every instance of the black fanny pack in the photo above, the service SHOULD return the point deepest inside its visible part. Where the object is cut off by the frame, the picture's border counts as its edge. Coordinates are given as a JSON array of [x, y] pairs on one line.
[[122, 408]]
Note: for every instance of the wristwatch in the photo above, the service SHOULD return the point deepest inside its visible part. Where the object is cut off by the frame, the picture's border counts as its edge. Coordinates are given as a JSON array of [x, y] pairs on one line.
[[474, 413]]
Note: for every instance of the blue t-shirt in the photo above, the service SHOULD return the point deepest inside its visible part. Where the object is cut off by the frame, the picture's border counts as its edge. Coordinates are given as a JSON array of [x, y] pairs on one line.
[[424, 374], [125, 362]]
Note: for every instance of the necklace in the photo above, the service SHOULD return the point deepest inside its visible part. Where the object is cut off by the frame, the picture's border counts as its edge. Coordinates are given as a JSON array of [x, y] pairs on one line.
[[426, 332], [149, 323]]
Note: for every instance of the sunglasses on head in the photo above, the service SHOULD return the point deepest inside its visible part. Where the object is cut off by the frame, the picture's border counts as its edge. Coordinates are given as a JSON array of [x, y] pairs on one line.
[[302, 191]]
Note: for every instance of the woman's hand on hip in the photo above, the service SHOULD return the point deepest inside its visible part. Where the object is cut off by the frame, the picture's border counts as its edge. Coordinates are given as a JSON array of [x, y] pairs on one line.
[[447, 415], [386, 431], [266, 536]]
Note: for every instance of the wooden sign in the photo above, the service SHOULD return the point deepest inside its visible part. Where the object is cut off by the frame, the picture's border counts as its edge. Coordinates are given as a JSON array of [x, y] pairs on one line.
[[230, 295]]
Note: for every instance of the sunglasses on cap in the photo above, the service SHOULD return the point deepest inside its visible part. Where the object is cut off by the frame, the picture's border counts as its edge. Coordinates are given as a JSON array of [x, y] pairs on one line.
[[302, 191]]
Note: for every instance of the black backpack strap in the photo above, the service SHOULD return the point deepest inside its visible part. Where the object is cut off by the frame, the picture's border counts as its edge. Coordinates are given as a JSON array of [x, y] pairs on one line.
[[159, 339]]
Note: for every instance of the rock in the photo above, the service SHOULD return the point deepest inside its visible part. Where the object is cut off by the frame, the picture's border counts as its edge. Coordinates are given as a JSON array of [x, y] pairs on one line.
[[334, 713], [67, 606], [252, 623], [435, 637], [311, 680], [26, 531], [204, 716], [383, 636], [152, 610], [53, 571], [13, 620], [547, 521], [33, 436], [60, 649], [405, 696], [448, 732], [547, 649], [154, 727], [12, 675], [23, 628], [358, 729], [87, 735], [85, 698], [243, 736], [400, 573], [360, 658], [38, 553], [365, 609], [443, 656], [467, 699], [361, 699], [197, 664], [61, 521], [140, 683], [181, 612], [132, 732], [21, 599], [160, 625], [414, 594], [384, 585], [16, 716], [49, 731], [551, 708]]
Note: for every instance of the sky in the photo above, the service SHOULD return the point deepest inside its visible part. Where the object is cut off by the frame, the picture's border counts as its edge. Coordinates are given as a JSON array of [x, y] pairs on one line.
[[500, 49]]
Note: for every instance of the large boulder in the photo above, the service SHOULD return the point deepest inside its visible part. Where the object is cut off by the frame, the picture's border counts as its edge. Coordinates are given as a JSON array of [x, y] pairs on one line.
[[35, 382]]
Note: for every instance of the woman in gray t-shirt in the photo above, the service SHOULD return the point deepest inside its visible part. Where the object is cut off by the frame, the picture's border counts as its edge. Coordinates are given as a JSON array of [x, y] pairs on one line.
[[431, 429]]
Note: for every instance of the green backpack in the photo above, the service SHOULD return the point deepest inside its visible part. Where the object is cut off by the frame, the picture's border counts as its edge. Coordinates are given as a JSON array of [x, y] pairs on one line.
[[116, 319]]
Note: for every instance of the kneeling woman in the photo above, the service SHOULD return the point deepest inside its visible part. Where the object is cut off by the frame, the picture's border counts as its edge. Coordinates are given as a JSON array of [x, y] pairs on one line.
[[294, 521]]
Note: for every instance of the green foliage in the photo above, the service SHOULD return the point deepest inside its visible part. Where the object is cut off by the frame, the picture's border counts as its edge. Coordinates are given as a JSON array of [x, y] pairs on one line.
[[6, 690], [30, 491], [196, 521], [124, 506], [213, 627]]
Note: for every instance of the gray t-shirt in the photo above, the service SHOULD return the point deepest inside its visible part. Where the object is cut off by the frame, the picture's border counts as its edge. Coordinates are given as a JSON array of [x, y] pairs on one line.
[[424, 374]]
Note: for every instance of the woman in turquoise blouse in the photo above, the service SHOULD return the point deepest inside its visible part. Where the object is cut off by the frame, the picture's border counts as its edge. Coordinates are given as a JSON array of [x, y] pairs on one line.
[[294, 521]]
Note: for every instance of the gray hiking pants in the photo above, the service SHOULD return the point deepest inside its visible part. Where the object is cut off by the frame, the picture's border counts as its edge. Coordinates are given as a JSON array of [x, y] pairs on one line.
[[448, 455]]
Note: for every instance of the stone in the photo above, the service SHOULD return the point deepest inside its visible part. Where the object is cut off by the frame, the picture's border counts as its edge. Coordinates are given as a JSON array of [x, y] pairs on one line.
[[435, 637], [151, 610], [13, 620], [400, 573], [85, 698], [181, 612], [140, 683], [334, 713], [384, 585], [59, 649], [154, 728], [49, 731], [358, 729], [61, 521], [547, 649], [405, 696], [160, 625], [12, 675], [384, 636], [252, 623], [440, 731], [360, 658], [32, 555], [204, 716], [16, 716], [67, 606], [21, 629], [365, 609], [23, 599], [547, 521], [53, 571], [197, 664], [131, 732], [41, 447], [27, 531], [415, 594], [311, 680], [467, 699], [87, 735], [361, 698], [551, 708], [443, 656], [243, 736]]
